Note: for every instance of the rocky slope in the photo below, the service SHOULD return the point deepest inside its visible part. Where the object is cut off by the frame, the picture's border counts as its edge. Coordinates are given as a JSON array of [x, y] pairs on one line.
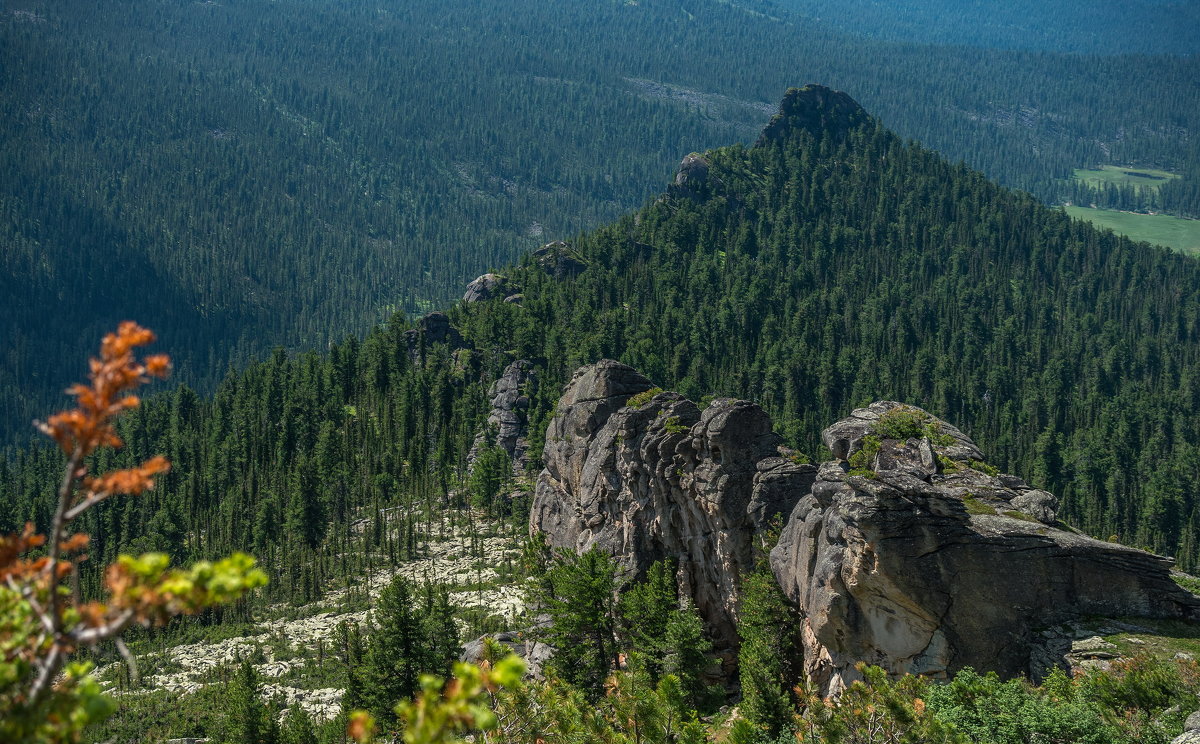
[[908, 550]]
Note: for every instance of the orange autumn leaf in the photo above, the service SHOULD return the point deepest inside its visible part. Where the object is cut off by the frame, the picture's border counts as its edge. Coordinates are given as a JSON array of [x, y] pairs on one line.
[[361, 726], [89, 426], [130, 481], [78, 541]]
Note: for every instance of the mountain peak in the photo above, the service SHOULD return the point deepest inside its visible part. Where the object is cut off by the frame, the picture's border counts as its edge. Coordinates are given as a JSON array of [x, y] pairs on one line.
[[816, 109]]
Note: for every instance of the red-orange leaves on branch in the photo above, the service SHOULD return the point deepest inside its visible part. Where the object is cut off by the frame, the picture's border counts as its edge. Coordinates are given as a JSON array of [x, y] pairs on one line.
[[132, 481], [83, 429], [11, 549], [43, 696]]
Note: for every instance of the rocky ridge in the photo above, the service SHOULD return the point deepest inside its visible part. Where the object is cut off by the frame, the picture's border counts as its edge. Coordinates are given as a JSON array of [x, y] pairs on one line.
[[908, 550]]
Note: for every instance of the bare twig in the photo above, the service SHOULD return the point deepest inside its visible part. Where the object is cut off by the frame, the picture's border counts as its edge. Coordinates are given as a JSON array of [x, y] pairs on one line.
[[129, 661]]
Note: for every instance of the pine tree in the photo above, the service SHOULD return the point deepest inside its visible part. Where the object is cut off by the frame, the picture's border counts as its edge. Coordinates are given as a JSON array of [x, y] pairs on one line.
[[688, 657], [248, 720], [646, 610]]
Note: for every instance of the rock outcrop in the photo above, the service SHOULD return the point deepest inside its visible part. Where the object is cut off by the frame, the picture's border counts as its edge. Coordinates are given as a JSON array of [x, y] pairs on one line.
[[433, 328], [691, 180], [911, 552], [559, 260], [817, 110], [524, 643], [487, 287], [908, 550], [509, 418], [647, 475]]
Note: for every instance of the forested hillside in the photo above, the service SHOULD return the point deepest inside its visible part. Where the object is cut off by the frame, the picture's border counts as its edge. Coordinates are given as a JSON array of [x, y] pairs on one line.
[[1083, 26], [259, 173], [826, 266]]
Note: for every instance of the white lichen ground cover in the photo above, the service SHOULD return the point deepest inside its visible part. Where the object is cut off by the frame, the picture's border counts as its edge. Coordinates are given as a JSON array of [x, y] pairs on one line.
[[286, 647]]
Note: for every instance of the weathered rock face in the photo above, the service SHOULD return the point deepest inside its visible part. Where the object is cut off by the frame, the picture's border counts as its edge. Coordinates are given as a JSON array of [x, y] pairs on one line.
[[662, 478], [509, 418], [433, 328], [918, 560], [487, 287]]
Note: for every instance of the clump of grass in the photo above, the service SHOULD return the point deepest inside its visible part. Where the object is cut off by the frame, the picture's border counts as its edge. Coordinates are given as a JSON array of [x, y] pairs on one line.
[[1019, 515], [976, 507], [1190, 583], [673, 426], [949, 467], [985, 468], [643, 397]]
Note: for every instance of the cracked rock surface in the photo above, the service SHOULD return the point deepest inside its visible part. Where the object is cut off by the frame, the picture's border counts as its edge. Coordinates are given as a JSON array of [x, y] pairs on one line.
[[920, 560], [908, 550], [661, 478]]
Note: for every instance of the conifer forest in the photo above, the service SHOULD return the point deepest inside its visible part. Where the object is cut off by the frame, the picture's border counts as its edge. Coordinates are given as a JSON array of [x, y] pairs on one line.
[[826, 246]]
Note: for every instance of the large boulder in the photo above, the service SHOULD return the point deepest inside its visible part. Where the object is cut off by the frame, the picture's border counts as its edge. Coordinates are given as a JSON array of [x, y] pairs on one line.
[[912, 553], [487, 287], [647, 475]]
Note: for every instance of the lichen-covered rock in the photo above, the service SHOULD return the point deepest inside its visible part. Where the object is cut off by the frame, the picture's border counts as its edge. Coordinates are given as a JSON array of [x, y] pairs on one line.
[[660, 478], [911, 554]]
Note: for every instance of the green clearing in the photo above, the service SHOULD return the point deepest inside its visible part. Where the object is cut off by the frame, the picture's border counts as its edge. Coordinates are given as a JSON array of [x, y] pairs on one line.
[[1139, 178], [1163, 229], [1160, 638]]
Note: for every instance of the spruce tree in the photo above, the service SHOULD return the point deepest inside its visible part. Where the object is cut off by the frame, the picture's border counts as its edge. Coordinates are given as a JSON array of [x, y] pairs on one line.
[[765, 660], [396, 653], [579, 595]]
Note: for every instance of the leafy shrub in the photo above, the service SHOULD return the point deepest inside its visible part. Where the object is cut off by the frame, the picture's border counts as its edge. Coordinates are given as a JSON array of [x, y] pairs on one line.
[[989, 711], [673, 426], [901, 423], [643, 397]]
